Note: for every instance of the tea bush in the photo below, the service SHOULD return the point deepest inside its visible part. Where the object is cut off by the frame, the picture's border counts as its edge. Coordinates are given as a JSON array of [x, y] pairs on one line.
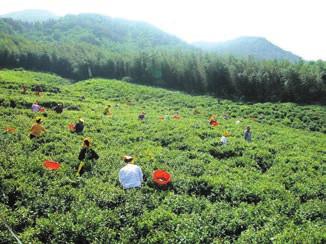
[[269, 190]]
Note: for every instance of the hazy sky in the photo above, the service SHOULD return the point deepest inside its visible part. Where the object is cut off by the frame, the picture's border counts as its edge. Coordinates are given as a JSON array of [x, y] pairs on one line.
[[294, 25]]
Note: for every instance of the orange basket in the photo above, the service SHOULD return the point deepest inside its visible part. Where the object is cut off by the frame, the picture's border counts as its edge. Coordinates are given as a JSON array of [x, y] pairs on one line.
[[71, 127], [161, 177], [51, 165], [42, 110], [10, 130]]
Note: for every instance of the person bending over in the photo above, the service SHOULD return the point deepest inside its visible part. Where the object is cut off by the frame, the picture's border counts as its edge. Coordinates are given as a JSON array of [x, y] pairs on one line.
[[79, 126], [37, 129]]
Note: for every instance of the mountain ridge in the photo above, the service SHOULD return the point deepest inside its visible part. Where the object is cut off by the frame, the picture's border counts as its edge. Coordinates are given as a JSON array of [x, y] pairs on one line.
[[245, 46]]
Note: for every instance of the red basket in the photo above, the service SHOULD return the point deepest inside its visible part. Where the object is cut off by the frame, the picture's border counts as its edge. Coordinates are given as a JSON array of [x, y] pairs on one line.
[[161, 177], [42, 110], [51, 165], [214, 123]]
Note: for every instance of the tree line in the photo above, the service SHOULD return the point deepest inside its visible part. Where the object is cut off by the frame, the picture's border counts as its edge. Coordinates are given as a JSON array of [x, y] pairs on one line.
[[169, 65]]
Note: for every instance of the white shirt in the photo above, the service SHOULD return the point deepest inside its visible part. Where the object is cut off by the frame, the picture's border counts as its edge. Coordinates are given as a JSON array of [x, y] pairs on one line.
[[130, 176], [224, 140], [36, 107]]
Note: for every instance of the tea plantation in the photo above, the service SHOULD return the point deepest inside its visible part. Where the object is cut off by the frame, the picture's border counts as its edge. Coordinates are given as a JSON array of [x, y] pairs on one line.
[[270, 190]]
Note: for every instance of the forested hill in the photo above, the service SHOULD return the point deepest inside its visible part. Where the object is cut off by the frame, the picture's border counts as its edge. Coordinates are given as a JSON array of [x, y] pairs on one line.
[[88, 45], [256, 47], [31, 15], [96, 30]]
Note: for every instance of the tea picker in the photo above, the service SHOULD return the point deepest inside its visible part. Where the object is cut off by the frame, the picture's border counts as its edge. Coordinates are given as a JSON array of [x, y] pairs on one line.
[[58, 108], [37, 129], [79, 126], [107, 111], [38, 90], [87, 156], [24, 89], [141, 116], [224, 138], [36, 107], [131, 175], [212, 120], [212, 117], [247, 134]]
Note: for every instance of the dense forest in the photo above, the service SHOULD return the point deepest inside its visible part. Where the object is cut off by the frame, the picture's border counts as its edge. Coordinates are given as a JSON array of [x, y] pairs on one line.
[[83, 46]]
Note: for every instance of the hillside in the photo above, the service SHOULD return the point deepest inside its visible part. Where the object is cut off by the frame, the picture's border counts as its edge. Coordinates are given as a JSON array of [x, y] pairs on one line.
[[272, 189], [256, 47], [31, 15]]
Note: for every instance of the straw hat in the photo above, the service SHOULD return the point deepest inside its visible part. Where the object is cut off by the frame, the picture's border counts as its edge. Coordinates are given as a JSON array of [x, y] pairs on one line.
[[81, 120], [127, 158], [87, 139]]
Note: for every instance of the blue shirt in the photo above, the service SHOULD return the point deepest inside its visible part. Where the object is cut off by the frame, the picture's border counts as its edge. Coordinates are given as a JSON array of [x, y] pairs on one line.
[[79, 127]]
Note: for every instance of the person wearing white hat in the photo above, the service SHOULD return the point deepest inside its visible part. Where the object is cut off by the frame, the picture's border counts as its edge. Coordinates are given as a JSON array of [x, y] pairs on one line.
[[131, 175]]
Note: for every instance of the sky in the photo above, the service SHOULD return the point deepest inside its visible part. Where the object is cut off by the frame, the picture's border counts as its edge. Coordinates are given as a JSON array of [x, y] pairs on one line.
[[294, 25]]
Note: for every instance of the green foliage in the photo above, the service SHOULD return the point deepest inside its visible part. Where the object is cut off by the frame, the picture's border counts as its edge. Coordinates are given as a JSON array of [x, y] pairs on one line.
[[269, 190]]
